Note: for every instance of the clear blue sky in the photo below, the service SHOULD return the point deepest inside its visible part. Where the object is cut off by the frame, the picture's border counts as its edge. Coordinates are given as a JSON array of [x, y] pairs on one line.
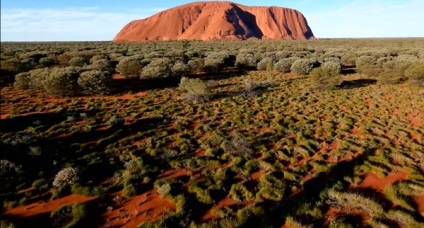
[[91, 20]]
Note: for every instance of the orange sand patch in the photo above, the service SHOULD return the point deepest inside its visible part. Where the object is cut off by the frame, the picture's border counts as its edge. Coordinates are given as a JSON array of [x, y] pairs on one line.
[[372, 180], [419, 200], [46, 207], [416, 122], [172, 174], [148, 206], [224, 203], [257, 175], [332, 146], [355, 130], [334, 213]]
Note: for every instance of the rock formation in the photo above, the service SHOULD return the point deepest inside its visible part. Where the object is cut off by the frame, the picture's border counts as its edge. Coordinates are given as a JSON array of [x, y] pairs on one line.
[[218, 21]]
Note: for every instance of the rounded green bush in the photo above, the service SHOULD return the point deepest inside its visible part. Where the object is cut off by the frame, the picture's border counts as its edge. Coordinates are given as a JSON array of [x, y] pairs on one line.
[[22, 80], [37, 78], [326, 77], [284, 65], [415, 74], [265, 63], [77, 62], [245, 60], [47, 61], [130, 66], [158, 68], [302, 66], [62, 81], [95, 82]]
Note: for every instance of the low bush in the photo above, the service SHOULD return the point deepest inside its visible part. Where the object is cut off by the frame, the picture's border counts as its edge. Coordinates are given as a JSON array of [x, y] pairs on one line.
[[196, 90], [130, 66], [11, 175], [245, 60], [239, 193], [303, 66], [180, 69], [62, 81], [47, 61], [284, 65], [22, 80], [95, 82], [415, 74], [367, 65], [157, 68], [78, 62], [66, 177], [238, 145], [196, 64], [326, 77], [101, 65], [68, 216], [266, 64], [37, 78], [216, 61]]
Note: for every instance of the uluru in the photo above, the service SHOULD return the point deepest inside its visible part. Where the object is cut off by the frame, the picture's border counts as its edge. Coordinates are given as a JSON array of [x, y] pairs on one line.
[[208, 21]]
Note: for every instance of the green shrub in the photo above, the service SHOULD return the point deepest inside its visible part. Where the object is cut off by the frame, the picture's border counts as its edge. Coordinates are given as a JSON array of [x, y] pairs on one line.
[[78, 62], [265, 64], [238, 145], [40, 184], [196, 64], [239, 193], [130, 66], [11, 175], [180, 69], [163, 187], [97, 58], [302, 66], [6, 224], [367, 65], [62, 81], [326, 77], [129, 190], [47, 61], [284, 65], [245, 60], [196, 90], [101, 65], [22, 80], [95, 82], [158, 68], [68, 216], [13, 66], [394, 70], [415, 74], [37, 78], [216, 61]]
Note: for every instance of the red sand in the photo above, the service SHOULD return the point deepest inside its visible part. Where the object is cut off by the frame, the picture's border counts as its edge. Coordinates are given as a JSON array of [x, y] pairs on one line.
[[372, 180], [49, 206], [148, 206], [224, 203], [416, 122], [420, 203]]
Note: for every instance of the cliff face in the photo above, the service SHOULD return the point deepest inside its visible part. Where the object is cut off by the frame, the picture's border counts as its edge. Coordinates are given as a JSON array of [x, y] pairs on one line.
[[218, 21]]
